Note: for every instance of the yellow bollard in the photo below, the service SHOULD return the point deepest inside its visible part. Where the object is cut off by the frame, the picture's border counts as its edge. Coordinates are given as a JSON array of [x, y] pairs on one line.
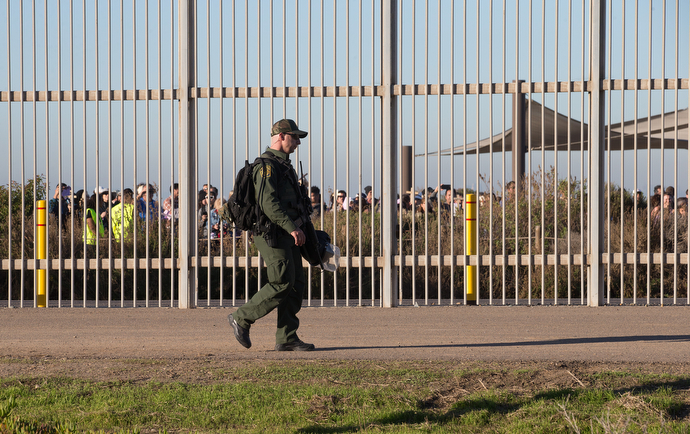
[[41, 253], [471, 244]]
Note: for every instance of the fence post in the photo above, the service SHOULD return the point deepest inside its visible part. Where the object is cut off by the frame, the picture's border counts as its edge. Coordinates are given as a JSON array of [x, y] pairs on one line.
[[389, 149], [187, 109], [595, 282]]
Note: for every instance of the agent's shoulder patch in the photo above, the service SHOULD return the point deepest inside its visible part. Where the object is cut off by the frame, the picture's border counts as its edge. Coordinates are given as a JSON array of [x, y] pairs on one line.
[[265, 171]]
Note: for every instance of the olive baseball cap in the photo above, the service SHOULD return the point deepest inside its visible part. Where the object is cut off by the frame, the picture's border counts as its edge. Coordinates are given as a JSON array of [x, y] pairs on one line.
[[287, 126]]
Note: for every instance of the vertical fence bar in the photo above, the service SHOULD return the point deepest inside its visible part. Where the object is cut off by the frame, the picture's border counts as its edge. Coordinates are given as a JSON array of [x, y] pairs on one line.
[[37, 272], [110, 159], [311, 142], [452, 153], [222, 143], [595, 292], [556, 196], [21, 155], [147, 144], [246, 137], [529, 159], [636, 186], [359, 147], [464, 144], [583, 262], [159, 211], [439, 252], [159, 167], [491, 157], [650, 261], [608, 76], [123, 261], [258, 110], [347, 160], [413, 123], [401, 243], [47, 153], [389, 147], [335, 153], [622, 156], [10, 264], [544, 261], [663, 151], [234, 148], [209, 204], [87, 264], [476, 294], [504, 251], [676, 256], [98, 155], [74, 240], [187, 161], [569, 195], [425, 193]]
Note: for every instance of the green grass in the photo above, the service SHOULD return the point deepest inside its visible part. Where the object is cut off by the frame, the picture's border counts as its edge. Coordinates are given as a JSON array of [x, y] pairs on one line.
[[351, 396]]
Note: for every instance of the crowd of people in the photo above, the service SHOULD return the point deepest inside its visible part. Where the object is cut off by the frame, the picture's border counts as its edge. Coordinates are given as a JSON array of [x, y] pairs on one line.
[[664, 202], [115, 211], [418, 201]]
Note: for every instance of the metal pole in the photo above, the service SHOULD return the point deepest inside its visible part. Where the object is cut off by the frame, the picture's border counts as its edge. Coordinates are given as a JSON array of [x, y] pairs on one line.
[[186, 150], [389, 147], [595, 292]]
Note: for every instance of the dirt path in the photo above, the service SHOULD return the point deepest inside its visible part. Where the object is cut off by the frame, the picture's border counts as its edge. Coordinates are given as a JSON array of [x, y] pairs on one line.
[[543, 333]]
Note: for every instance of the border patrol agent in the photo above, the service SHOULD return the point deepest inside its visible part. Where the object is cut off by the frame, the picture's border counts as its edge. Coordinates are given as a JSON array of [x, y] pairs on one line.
[[275, 183]]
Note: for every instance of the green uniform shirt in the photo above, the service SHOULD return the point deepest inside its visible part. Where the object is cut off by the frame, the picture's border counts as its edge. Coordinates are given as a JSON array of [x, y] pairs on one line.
[[279, 199]]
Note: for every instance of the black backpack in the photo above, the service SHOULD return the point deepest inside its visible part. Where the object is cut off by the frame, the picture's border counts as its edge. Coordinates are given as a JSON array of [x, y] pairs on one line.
[[241, 208]]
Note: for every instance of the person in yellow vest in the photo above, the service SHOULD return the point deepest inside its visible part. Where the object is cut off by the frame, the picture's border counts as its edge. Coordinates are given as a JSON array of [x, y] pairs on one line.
[[92, 219], [122, 216]]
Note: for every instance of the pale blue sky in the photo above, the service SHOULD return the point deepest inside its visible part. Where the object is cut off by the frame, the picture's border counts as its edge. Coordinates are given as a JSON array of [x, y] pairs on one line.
[[330, 127]]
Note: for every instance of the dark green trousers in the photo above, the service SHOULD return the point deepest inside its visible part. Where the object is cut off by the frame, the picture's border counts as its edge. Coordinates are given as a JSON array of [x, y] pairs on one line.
[[284, 289]]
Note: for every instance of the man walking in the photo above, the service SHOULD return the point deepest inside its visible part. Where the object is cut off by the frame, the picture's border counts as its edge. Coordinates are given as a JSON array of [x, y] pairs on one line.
[[278, 195]]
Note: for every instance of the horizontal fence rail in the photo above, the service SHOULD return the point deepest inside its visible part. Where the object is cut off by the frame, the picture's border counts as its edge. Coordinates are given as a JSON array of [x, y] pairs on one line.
[[559, 119]]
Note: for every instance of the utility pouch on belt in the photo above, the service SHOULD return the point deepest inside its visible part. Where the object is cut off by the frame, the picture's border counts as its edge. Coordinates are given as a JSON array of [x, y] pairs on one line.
[[271, 235]]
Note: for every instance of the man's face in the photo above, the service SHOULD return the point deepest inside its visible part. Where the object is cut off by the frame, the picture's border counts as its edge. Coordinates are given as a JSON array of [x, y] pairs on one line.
[[340, 198], [370, 196], [449, 196], [290, 143], [315, 198], [176, 193]]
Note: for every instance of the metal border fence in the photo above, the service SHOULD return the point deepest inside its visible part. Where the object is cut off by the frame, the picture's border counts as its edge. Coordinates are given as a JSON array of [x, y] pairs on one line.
[[553, 116]]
